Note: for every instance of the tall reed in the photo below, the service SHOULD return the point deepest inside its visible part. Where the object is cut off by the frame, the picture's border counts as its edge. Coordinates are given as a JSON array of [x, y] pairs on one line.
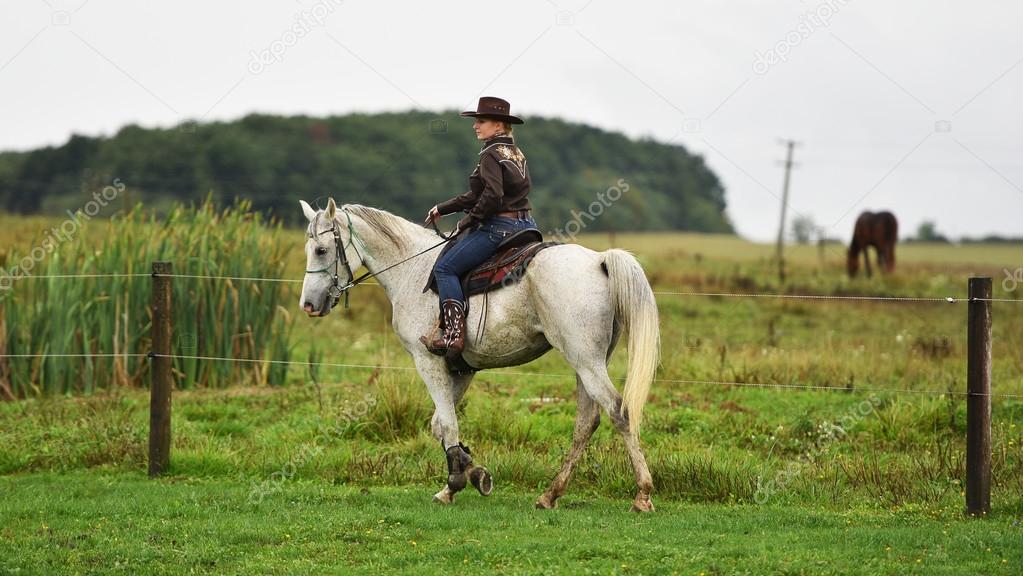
[[48, 316]]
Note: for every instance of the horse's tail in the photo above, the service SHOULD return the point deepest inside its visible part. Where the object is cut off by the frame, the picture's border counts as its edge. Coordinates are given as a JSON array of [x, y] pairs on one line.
[[636, 310]]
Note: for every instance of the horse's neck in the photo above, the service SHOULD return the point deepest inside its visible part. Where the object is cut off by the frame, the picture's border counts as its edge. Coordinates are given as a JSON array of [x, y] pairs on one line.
[[379, 252]]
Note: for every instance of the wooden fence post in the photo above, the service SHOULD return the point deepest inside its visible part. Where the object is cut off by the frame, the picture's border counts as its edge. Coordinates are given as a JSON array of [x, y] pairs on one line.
[[978, 399], [160, 370]]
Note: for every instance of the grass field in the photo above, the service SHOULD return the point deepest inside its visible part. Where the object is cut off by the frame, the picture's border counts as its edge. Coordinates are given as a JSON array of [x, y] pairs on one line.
[[333, 473], [125, 524]]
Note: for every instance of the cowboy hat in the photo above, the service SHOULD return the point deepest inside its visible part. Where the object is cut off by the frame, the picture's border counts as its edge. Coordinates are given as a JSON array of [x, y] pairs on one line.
[[493, 108]]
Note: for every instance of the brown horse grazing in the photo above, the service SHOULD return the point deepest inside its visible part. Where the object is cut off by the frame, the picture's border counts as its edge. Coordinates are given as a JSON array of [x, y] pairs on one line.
[[880, 230]]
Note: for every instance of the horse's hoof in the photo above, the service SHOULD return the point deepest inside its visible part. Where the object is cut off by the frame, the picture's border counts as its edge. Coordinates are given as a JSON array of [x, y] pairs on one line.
[[444, 497], [482, 480], [643, 505], [545, 502]]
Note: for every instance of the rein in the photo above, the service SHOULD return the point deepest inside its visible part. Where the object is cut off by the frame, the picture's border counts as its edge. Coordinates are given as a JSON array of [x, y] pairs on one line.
[[341, 259], [446, 237]]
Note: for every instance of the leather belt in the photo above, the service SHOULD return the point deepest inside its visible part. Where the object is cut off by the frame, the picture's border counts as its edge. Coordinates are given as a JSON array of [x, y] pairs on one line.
[[514, 214]]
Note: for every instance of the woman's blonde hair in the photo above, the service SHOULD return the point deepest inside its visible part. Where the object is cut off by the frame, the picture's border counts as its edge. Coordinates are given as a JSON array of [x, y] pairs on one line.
[[506, 127]]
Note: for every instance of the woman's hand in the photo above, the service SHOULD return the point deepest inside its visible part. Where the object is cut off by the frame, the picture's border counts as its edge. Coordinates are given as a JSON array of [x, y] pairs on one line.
[[432, 215]]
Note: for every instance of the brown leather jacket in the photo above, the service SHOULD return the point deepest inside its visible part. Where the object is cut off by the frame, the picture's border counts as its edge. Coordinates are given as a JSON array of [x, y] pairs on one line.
[[500, 183]]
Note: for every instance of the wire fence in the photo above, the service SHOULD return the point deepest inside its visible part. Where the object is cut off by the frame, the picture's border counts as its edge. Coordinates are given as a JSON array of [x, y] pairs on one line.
[[978, 395], [500, 372], [849, 297]]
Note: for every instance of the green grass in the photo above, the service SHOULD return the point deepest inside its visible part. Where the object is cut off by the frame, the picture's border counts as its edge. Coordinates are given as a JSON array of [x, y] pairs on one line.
[[271, 480], [124, 524], [748, 480]]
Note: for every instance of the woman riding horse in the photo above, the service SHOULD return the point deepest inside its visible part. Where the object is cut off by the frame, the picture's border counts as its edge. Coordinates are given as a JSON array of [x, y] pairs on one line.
[[496, 206]]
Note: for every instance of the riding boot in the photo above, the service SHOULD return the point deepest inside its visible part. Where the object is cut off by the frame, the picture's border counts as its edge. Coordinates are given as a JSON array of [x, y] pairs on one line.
[[451, 341], [454, 320]]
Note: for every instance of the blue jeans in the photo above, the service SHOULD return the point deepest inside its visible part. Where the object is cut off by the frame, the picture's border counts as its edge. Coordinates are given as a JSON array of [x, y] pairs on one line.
[[472, 250]]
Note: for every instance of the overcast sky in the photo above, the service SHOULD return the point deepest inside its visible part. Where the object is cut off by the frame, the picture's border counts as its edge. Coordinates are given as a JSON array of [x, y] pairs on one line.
[[914, 106]]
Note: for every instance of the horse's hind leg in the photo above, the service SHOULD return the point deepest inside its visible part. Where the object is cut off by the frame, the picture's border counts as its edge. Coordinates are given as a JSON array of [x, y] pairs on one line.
[[889, 259], [587, 419], [599, 387], [644, 482]]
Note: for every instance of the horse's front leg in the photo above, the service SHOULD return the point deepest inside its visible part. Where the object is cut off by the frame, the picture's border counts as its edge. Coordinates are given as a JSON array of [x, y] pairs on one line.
[[446, 390]]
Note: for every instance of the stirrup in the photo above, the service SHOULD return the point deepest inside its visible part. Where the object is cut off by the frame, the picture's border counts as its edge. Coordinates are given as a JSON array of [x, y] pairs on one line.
[[428, 343]]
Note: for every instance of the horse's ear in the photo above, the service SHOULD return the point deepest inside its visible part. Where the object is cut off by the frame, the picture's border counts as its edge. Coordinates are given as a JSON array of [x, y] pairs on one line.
[[331, 208], [310, 214]]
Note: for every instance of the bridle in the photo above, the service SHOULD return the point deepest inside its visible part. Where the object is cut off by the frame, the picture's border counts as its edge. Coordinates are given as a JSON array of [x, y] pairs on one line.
[[336, 290], [340, 259]]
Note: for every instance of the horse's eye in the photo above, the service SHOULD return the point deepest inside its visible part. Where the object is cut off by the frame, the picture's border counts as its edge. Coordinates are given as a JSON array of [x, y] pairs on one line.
[[320, 251]]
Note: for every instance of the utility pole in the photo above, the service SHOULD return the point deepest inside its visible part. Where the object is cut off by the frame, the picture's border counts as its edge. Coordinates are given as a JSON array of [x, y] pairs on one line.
[[790, 144]]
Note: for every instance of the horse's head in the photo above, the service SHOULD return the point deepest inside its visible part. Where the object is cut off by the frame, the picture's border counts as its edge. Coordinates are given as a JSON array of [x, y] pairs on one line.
[[852, 262], [330, 259]]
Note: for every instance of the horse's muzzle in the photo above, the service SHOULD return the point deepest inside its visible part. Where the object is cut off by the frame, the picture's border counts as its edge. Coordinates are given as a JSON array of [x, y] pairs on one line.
[[312, 311]]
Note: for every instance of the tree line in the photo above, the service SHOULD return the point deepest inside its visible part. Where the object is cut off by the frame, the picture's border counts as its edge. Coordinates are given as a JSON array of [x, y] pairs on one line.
[[403, 162]]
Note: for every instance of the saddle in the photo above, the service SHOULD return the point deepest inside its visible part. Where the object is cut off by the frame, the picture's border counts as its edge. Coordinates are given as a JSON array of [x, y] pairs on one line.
[[504, 268]]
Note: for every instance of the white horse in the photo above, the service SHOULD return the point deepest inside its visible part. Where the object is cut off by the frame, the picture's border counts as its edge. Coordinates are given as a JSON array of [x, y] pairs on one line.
[[570, 298]]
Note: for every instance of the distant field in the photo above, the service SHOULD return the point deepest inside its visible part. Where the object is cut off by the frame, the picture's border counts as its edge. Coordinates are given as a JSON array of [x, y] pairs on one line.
[[735, 248], [21, 233], [749, 479]]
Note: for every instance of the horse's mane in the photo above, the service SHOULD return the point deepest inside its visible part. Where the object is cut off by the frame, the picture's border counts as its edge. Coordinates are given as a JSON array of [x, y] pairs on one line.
[[394, 228]]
